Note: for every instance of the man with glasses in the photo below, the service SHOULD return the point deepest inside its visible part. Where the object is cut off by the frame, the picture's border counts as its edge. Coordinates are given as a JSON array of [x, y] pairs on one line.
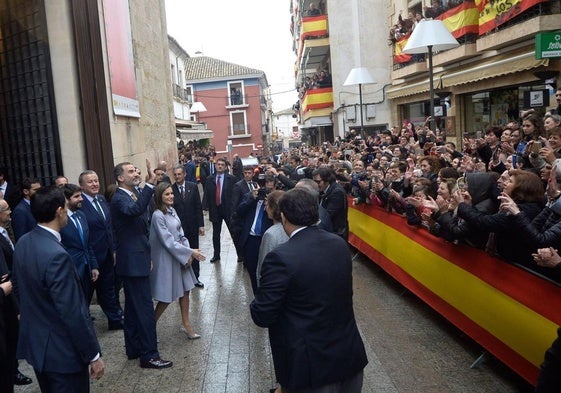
[[333, 199]]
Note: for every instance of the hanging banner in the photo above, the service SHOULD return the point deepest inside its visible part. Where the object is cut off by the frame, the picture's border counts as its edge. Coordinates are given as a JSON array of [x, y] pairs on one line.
[[493, 13], [121, 61]]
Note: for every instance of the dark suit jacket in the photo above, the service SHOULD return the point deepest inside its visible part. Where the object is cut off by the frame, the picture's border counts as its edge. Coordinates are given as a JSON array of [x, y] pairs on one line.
[[305, 298], [56, 332], [189, 210], [8, 328], [238, 191], [246, 214], [80, 251], [12, 195], [130, 220], [101, 230], [335, 202], [7, 251], [190, 168], [224, 211], [22, 219]]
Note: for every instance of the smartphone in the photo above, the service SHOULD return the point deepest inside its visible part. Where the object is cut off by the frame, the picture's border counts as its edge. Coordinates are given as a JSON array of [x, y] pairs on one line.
[[461, 183], [514, 161], [478, 134], [536, 146]]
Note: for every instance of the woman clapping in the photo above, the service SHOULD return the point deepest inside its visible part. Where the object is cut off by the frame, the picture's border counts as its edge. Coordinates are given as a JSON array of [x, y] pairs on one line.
[[172, 276]]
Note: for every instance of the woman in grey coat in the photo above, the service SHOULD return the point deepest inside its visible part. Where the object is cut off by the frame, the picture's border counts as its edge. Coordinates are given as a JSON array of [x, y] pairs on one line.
[[172, 276]]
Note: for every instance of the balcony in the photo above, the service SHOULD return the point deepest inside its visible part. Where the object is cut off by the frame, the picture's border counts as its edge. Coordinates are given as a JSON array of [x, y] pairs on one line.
[[236, 101], [181, 93], [313, 27]]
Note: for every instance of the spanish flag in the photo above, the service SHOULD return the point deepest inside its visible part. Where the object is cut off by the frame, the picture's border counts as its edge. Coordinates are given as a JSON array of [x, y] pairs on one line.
[[313, 26], [399, 56], [461, 20], [318, 98], [493, 13]]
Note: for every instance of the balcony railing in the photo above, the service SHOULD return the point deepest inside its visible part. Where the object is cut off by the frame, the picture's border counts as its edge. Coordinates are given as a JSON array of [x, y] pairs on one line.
[[467, 24], [238, 130], [181, 93], [236, 100]]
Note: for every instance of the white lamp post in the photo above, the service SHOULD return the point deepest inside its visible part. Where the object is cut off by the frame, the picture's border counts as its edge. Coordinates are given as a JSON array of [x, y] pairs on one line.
[[197, 107], [430, 34], [359, 76]]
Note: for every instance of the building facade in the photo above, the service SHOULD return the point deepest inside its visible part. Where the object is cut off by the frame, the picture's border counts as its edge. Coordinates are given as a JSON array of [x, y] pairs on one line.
[[83, 85], [490, 77], [329, 43], [237, 104]]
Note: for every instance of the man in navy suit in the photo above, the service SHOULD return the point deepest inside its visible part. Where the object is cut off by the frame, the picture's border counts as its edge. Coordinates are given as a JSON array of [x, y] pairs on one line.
[[8, 190], [305, 298], [22, 219], [190, 168], [218, 200], [241, 188], [75, 238], [255, 221], [130, 219], [96, 210], [56, 334], [187, 204]]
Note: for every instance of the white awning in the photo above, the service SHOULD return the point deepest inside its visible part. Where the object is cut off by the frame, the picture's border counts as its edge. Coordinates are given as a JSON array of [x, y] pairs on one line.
[[194, 135]]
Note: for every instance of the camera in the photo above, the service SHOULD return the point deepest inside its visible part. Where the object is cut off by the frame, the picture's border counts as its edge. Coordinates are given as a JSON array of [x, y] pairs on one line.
[[262, 194]]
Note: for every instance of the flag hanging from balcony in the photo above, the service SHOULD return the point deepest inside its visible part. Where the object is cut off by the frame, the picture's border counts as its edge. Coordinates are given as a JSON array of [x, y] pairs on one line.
[[313, 26], [317, 99], [493, 13], [399, 56], [461, 20]]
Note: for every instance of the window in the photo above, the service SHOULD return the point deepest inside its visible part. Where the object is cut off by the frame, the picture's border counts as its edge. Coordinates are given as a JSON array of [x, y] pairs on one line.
[[189, 93], [238, 125], [235, 94]]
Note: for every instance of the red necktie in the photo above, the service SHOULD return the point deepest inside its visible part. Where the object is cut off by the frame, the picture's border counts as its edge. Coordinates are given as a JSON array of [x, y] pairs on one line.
[[218, 190]]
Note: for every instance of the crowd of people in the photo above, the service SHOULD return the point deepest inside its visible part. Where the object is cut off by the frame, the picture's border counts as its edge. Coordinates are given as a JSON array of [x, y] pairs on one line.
[[501, 192]]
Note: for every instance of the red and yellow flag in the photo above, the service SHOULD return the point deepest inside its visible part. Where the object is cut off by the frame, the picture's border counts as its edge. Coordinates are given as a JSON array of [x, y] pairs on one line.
[[399, 56], [493, 13], [461, 20]]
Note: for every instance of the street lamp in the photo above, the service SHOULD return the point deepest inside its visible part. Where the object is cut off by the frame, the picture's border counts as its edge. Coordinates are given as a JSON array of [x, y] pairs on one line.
[[430, 34], [197, 107], [359, 76]]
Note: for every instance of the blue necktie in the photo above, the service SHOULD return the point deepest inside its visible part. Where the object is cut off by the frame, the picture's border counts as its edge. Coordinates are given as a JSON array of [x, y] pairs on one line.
[[259, 219], [80, 231]]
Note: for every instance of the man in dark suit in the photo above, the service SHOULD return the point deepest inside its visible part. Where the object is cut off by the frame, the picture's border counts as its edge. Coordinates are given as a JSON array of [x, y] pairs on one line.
[[96, 210], [22, 219], [9, 192], [7, 252], [56, 334], [333, 199], [129, 212], [187, 204], [190, 168], [217, 200], [8, 329], [241, 188], [255, 221], [75, 238], [305, 299]]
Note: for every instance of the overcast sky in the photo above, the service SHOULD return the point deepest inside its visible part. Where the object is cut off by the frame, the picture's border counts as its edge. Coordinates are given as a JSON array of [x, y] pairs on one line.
[[251, 33]]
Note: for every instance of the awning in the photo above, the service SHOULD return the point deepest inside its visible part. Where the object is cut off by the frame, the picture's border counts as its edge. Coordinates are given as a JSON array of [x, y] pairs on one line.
[[497, 66], [194, 135]]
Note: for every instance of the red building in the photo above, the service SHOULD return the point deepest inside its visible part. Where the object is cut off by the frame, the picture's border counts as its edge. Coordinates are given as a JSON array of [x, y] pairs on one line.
[[237, 102]]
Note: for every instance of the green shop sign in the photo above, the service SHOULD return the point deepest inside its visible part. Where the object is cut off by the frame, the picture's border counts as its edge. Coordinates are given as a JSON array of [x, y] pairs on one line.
[[548, 45]]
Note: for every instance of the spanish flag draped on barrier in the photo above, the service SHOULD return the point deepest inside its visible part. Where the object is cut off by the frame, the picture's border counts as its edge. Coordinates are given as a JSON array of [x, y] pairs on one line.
[[399, 56], [512, 313], [461, 20], [493, 13], [318, 98]]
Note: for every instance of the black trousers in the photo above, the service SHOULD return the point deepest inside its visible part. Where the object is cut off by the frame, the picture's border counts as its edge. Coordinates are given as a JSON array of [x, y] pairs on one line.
[[64, 383], [250, 258], [105, 290], [549, 380]]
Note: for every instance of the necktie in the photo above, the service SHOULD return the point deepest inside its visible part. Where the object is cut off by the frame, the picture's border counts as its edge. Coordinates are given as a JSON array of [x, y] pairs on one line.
[[134, 197], [218, 196], [98, 207], [259, 219], [6, 236], [182, 192], [79, 227], [211, 168]]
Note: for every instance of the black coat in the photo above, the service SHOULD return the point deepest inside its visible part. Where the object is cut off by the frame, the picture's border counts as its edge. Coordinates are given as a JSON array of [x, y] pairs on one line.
[[224, 211], [305, 298], [334, 200], [189, 208]]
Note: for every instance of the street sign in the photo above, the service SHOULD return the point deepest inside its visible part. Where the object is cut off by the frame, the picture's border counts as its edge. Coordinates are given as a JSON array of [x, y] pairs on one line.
[[548, 45]]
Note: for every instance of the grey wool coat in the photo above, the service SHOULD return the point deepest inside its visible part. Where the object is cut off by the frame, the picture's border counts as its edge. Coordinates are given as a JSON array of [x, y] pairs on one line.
[[171, 275]]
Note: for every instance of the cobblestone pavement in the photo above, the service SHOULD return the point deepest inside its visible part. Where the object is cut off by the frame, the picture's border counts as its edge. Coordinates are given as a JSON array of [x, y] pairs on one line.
[[411, 349]]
